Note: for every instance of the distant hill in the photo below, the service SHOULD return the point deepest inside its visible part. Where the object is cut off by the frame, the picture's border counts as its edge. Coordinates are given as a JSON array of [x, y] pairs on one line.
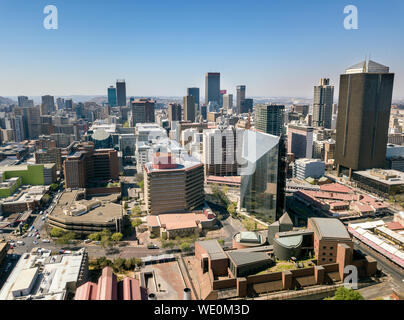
[[7, 101]]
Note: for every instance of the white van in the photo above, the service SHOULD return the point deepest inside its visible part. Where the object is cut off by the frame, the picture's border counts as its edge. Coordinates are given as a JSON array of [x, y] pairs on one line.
[[20, 243]]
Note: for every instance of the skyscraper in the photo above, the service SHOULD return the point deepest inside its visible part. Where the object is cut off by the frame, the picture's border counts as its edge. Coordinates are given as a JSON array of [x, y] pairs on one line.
[[142, 111], [48, 105], [228, 102], [189, 108], [121, 93], [322, 104], [212, 87], [364, 105], [22, 100], [112, 96], [260, 176], [240, 98], [195, 93], [269, 118], [174, 112]]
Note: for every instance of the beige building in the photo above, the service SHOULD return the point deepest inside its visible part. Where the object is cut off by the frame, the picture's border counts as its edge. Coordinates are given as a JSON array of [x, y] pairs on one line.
[[173, 184]]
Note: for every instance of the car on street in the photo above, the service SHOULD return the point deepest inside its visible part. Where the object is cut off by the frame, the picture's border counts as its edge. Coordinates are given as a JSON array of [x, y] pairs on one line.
[[20, 243], [45, 240], [152, 246], [35, 242]]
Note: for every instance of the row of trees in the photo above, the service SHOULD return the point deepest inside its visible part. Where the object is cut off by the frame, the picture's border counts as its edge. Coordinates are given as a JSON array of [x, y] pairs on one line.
[[119, 264], [63, 237]]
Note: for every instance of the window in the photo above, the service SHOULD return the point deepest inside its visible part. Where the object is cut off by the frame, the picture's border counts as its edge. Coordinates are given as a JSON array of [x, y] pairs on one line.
[[323, 259], [323, 253], [324, 247], [331, 248], [330, 254], [330, 260]]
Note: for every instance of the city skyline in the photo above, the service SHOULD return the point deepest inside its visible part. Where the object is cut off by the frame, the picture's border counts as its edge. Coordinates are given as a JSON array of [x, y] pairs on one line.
[[94, 46]]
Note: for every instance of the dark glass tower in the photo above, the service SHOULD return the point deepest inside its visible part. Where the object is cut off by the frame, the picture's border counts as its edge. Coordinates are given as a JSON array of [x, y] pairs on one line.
[[121, 93], [212, 87], [194, 92], [364, 105], [322, 104], [112, 96]]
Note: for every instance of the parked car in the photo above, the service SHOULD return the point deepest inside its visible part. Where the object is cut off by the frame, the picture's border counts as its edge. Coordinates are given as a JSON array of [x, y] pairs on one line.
[[152, 246], [20, 243], [46, 240], [35, 242]]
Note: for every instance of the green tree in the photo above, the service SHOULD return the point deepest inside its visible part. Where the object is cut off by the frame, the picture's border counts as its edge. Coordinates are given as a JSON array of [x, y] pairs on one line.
[[106, 242], [56, 232], [135, 262], [128, 264], [185, 246], [54, 187], [141, 184], [66, 238], [221, 242], [136, 210], [119, 264], [116, 237], [125, 205], [136, 222], [46, 198], [96, 236], [343, 293]]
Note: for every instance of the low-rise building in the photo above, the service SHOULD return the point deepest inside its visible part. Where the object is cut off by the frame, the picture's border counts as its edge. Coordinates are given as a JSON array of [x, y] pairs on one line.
[[304, 168], [41, 276]]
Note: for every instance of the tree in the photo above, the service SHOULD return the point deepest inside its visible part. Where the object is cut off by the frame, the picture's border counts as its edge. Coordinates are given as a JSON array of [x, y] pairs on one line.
[[141, 184], [128, 264], [136, 222], [185, 246], [136, 210], [54, 186], [232, 209], [125, 205], [343, 293], [46, 198], [116, 237], [119, 263], [95, 236], [56, 232], [66, 238], [221, 242], [106, 242]]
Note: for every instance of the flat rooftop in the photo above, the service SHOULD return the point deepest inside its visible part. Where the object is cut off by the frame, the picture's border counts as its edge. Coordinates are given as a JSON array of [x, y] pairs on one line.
[[103, 213], [214, 249], [387, 177]]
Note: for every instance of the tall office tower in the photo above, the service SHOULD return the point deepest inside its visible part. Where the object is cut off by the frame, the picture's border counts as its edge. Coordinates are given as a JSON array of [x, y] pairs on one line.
[[222, 150], [112, 96], [60, 102], [222, 93], [365, 95], [300, 141], [142, 111], [16, 124], [204, 112], [31, 119], [121, 93], [228, 102], [48, 105], [69, 104], [260, 176], [269, 118], [240, 98], [212, 87], [247, 106], [194, 92], [22, 101], [322, 104], [174, 112], [173, 183], [189, 108]]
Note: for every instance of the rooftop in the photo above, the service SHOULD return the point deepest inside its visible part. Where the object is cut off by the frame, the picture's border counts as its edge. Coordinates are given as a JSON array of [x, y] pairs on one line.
[[214, 249], [329, 228]]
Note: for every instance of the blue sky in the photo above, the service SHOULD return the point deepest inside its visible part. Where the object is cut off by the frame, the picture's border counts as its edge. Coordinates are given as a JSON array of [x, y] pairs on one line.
[[161, 47]]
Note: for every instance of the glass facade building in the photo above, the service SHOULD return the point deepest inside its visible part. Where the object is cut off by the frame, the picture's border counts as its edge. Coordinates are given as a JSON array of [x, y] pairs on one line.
[[112, 96], [259, 175]]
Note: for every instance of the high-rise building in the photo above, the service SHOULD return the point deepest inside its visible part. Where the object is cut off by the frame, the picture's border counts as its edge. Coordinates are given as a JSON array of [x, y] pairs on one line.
[[222, 93], [322, 104], [22, 100], [173, 184], [88, 166], [174, 112], [240, 98], [189, 108], [31, 119], [194, 92], [220, 148], [48, 105], [60, 103], [69, 104], [112, 96], [142, 111], [300, 141], [212, 87], [260, 176], [121, 93], [269, 118], [364, 105], [228, 102], [246, 106]]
